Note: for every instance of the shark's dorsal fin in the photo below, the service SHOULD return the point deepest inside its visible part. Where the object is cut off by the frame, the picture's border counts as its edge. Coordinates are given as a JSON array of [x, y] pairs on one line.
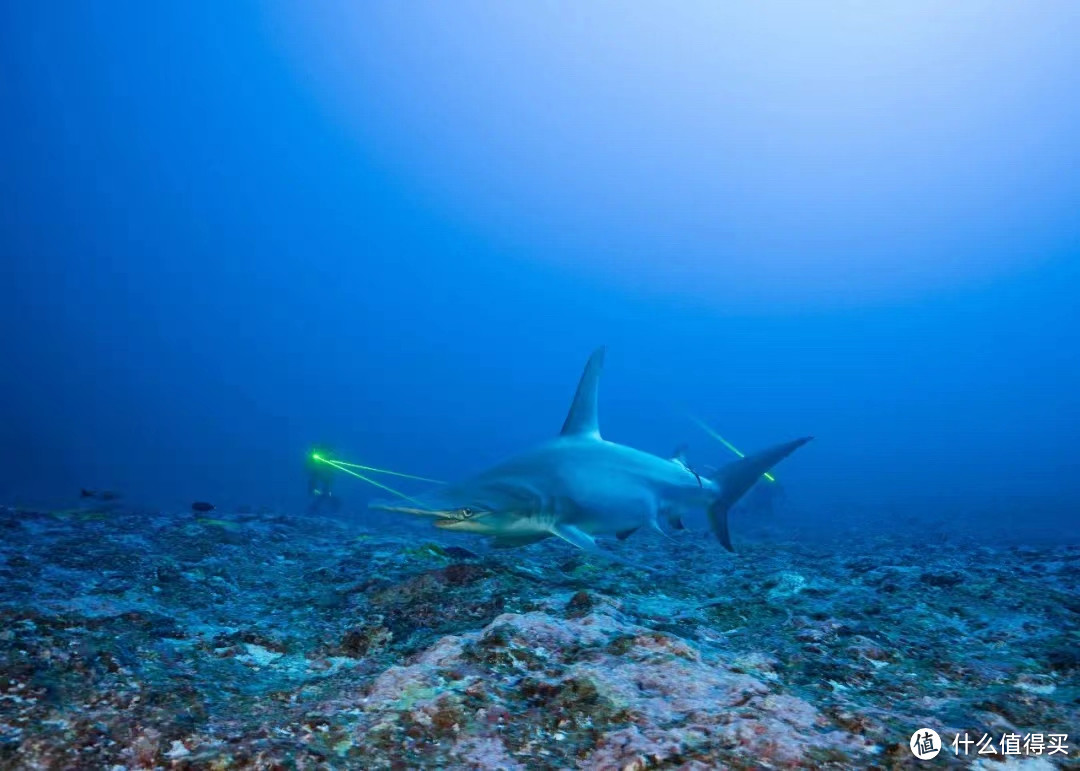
[[582, 419], [680, 454]]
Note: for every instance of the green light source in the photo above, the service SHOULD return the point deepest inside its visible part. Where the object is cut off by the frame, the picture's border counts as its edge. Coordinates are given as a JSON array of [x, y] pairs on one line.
[[727, 444], [347, 468]]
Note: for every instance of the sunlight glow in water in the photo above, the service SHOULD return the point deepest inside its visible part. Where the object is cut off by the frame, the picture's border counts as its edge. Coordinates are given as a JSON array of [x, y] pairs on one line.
[[819, 153]]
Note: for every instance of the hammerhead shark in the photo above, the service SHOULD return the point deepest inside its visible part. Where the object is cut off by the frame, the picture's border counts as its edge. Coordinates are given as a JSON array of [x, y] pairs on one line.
[[579, 485]]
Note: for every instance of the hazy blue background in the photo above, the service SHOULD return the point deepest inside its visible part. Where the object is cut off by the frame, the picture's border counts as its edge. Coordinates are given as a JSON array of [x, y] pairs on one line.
[[231, 229]]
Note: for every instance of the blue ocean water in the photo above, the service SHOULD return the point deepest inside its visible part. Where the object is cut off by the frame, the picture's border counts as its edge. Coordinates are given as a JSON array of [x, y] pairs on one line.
[[232, 233]]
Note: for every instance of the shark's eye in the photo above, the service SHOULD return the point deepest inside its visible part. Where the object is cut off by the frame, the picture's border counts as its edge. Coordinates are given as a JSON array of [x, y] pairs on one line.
[[467, 512]]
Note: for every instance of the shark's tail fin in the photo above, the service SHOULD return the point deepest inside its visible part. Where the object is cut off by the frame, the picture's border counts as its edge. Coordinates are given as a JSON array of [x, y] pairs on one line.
[[738, 477]]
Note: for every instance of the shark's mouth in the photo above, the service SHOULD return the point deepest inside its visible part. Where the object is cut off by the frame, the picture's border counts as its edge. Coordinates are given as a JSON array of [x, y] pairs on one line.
[[468, 519], [476, 508]]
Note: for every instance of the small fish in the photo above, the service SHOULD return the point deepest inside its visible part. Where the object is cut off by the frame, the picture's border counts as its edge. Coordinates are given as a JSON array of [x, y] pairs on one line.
[[84, 493], [202, 506]]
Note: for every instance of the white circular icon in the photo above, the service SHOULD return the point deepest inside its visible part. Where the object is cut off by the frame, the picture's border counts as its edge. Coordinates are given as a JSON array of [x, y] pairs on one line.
[[925, 744]]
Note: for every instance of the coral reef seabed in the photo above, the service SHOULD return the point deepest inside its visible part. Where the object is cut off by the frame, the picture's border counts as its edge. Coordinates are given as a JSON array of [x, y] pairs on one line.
[[135, 639]]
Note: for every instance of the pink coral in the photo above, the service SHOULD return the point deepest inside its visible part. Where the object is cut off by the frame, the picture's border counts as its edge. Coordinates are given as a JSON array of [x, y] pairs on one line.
[[653, 697]]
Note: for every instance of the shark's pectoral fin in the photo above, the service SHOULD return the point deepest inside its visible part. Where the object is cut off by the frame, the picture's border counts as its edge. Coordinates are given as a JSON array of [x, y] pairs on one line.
[[575, 536], [585, 542], [514, 541], [582, 419], [624, 534]]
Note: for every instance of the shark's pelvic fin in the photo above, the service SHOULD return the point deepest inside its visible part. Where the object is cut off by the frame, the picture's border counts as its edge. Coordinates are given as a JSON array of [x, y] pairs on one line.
[[654, 525], [583, 419], [673, 517], [738, 477]]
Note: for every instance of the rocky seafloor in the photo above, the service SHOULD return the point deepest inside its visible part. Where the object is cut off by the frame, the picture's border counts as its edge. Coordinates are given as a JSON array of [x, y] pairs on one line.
[[134, 639]]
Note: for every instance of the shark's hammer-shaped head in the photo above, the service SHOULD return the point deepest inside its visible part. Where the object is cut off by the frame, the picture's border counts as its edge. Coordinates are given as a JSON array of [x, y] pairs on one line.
[[480, 506]]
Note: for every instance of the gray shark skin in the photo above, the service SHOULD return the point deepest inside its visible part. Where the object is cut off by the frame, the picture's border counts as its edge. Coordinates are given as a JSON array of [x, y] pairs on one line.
[[579, 485]]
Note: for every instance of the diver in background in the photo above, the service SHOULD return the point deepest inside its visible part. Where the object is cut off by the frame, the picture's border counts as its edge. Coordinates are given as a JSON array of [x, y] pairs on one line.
[[320, 478]]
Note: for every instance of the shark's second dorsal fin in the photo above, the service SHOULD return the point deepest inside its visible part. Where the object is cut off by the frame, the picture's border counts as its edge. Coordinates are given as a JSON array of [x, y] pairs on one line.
[[583, 420]]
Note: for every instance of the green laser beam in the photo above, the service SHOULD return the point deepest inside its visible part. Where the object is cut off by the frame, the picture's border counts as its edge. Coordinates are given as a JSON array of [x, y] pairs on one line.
[[370, 481], [727, 444], [374, 470]]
